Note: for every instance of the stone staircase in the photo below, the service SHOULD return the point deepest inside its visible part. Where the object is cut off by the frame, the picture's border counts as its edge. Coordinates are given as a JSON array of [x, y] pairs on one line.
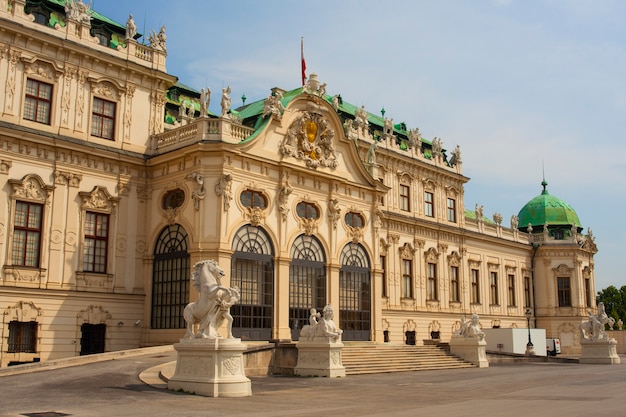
[[372, 358]]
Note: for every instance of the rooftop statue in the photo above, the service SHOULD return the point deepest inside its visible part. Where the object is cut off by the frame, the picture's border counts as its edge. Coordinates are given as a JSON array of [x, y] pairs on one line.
[[226, 100], [205, 100], [593, 329], [77, 10], [157, 40], [213, 305], [131, 28]]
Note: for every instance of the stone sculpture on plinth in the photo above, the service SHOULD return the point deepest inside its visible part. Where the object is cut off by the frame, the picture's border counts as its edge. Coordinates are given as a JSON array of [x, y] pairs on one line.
[[319, 347], [597, 347], [208, 364], [469, 342]]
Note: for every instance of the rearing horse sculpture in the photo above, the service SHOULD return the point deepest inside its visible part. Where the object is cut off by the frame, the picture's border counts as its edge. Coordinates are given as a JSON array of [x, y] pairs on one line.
[[213, 304]]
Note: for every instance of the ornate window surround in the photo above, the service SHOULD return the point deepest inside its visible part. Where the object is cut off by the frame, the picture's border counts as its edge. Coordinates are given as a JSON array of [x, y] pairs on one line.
[[32, 189], [98, 200]]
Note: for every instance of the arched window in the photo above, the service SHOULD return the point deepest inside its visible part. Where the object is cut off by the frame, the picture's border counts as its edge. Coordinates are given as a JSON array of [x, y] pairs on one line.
[[170, 279], [252, 271], [355, 293], [355, 220], [307, 281], [251, 198], [307, 210]]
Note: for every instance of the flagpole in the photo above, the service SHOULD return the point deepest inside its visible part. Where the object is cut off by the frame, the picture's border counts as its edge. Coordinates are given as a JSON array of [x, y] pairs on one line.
[[303, 62]]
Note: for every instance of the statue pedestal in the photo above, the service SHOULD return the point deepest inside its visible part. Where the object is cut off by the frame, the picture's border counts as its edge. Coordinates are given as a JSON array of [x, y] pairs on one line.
[[210, 367], [320, 358], [470, 349], [599, 351]]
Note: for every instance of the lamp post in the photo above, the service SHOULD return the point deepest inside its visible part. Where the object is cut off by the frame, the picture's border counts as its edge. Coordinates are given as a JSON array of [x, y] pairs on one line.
[[530, 349]]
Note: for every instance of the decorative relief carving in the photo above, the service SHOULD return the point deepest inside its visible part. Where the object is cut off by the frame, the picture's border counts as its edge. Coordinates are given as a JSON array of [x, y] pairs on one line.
[[5, 166], [282, 196], [308, 225], [41, 69], [255, 215], [23, 311], [223, 188], [355, 233], [454, 259], [94, 314], [105, 89], [31, 187], [67, 178], [310, 138], [99, 198], [199, 193], [334, 211], [232, 365], [407, 251], [431, 255]]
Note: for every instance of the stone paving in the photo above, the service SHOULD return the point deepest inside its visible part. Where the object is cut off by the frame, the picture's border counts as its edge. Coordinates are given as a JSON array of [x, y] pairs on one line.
[[128, 385]]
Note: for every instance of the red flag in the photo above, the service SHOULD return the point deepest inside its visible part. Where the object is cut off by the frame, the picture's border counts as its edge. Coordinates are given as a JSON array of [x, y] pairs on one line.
[[303, 62]]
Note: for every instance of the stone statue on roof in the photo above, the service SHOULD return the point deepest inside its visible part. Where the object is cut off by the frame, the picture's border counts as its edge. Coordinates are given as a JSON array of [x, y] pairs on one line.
[[226, 100], [205, 100], [272, 106], [77, 10], [360, 116], [157, 40], [131, 28], [415, 138]]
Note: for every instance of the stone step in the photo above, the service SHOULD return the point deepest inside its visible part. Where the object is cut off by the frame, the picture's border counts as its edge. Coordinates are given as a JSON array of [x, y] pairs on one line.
[[368, 358]]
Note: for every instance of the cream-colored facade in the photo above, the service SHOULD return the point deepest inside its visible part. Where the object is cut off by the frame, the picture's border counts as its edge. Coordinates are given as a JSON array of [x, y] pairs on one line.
[[303, 201]]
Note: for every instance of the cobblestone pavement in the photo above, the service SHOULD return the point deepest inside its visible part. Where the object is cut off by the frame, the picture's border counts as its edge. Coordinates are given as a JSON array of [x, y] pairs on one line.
[[114, 388]]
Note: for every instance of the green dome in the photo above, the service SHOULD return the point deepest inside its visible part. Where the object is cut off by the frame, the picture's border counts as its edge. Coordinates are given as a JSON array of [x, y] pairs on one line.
[[546, 209]]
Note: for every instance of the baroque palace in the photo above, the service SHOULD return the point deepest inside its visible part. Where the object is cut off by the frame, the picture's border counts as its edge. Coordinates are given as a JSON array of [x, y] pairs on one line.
[[115, 180]]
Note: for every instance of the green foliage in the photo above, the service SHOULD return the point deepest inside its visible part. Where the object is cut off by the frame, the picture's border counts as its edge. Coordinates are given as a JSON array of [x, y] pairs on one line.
[[614, 301]]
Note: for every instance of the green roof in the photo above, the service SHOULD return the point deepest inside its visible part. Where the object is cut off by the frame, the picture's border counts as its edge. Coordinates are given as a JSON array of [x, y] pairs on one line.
[[546, 209]]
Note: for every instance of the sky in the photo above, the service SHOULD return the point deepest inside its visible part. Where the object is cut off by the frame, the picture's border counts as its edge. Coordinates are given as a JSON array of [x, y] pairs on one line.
[[526, 88]]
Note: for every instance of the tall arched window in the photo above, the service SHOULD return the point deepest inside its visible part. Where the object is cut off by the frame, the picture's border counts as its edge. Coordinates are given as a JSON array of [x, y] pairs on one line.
[[355, 293], [252, 270], [307, 281], [170, 279]]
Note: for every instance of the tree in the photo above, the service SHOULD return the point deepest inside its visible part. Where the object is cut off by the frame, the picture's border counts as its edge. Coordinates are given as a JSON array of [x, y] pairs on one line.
[[614, 301]]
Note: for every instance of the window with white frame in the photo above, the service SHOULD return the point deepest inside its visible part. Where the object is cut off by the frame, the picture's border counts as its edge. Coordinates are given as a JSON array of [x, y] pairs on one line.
[[432, 281], [454, 284], [511, 282], [493, 285], [429, 209], [38, 101], [405, 197], [96, 242], [452, 210], [103, 119], [475, 289], [27, 228], [407, 278]]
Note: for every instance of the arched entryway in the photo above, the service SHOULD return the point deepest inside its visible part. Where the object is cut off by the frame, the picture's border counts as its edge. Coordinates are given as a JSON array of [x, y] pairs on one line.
[[355, 293], [252, 271], [307, 281], [170, 279]]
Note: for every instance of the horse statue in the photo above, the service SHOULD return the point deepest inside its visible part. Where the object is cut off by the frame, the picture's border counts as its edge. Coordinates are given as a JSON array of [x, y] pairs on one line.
[[593, 329], [213, 305]]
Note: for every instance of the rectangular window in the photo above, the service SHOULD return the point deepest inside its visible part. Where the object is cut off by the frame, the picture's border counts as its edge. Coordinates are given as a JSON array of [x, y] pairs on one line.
[[493, 284], [564, 292], [22, 336], [103, 119], [383, 267], [407, 278], [428, 204], [452, 210], [511, 279], [27, 234], [527, 292], [432, 281], [475, 295], [405, 193], [38, 101], [96, 242], [454, 284], [588, 295]]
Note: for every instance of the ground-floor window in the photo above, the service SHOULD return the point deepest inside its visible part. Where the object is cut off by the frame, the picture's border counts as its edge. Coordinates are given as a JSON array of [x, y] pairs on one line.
[[22, 336]]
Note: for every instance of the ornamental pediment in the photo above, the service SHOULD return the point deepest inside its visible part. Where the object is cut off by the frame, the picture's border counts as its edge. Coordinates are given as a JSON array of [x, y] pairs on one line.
[[310, 139]]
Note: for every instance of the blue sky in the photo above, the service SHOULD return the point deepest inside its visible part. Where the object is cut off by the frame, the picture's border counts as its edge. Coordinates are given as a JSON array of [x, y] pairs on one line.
[[523, 86]]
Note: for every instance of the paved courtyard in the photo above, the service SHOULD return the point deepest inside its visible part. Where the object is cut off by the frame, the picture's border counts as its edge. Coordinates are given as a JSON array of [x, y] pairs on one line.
[[114, 388]]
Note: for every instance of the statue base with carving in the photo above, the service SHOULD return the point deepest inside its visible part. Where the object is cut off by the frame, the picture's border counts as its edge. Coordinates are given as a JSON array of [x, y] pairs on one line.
[[320, 358], [319, 347], [599, 352], [210, 367], [469, 344], [470, 349]]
